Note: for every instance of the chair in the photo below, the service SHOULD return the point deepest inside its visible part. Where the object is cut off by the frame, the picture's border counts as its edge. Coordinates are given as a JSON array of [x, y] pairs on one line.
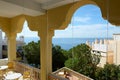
[[10, 67], [27, 75], [1, 75]]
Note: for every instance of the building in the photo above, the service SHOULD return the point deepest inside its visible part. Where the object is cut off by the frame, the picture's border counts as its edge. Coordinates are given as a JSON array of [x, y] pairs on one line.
[[0, 44], [3, 45], [109, 50]]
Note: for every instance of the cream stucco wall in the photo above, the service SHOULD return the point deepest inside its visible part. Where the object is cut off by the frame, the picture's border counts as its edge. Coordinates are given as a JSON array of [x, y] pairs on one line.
[[102, 60], [117, 52]]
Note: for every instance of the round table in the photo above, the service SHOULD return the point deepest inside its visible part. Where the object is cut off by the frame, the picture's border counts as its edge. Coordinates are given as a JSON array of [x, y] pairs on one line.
[[3, 67], [13, 76]]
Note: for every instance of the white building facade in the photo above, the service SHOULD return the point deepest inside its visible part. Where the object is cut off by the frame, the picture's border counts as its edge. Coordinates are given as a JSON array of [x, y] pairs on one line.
[[0, 44], [4, 41], [108, 49]]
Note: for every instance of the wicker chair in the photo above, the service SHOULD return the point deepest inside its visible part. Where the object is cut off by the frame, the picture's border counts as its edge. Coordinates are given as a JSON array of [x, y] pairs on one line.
[[10, 66], [27, 75], [1, 75]]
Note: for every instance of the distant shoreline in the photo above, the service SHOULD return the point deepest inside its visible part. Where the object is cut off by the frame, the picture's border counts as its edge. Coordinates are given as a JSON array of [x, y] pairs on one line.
[[65, 43]]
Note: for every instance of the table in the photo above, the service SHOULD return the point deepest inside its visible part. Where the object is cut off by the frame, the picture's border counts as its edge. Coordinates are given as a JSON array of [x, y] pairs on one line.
[[3, 67], [13, 76], [61, 73]]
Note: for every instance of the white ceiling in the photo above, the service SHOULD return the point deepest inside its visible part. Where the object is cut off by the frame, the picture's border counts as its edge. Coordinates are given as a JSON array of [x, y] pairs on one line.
[[11, 8]]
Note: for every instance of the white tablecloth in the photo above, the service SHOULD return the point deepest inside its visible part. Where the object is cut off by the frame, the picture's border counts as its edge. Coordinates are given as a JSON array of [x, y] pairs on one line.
[[12, 76], [3, 67]]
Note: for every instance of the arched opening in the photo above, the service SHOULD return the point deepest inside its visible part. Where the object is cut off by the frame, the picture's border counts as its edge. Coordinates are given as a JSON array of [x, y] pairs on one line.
[[28, 46], [87, 24], [82, 21]]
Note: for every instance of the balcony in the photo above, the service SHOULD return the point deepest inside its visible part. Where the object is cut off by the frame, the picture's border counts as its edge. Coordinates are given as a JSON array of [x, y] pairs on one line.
[[45, 17], [21, 68], [35, 72]]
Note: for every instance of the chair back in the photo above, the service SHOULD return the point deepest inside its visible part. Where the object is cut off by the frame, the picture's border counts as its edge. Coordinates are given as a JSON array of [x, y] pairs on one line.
[[10, 65], [26, 74]]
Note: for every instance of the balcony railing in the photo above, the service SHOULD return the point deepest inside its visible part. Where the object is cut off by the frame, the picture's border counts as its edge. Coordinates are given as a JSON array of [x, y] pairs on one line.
[[73, 75], [35, 72], [55, 77], [21, 67], [3, 61]]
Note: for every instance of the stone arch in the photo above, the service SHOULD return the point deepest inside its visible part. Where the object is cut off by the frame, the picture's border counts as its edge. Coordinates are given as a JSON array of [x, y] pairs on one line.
[[4, 22], [35, 22], [17, 23], [72, 10]]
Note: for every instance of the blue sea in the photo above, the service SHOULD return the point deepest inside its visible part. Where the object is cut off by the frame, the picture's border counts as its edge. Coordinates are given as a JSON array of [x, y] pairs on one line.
[[65, 43]]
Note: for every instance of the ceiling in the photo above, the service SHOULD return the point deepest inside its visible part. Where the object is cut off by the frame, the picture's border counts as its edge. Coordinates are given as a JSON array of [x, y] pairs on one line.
[[11, 8]]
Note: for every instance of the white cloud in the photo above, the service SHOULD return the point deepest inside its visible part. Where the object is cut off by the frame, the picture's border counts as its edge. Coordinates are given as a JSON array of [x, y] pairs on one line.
[[93, 30], [81, 19], [87, 27]]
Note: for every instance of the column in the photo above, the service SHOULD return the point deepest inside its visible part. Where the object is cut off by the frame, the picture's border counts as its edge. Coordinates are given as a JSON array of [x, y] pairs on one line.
[[11, 47], [46, 53]]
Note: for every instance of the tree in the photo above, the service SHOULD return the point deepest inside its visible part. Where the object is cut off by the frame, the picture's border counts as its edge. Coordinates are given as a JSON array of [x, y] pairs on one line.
[[82, 60], [78, 58], [109, 72], [32, 53], [58, 57]]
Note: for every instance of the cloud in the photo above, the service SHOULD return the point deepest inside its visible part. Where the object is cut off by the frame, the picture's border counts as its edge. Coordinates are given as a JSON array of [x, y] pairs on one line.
[[87, 27], [93, 30], [81, 19]]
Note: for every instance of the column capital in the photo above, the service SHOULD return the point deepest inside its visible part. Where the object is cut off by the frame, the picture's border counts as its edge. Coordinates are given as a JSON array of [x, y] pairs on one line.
[[12, 36], [46, 33]]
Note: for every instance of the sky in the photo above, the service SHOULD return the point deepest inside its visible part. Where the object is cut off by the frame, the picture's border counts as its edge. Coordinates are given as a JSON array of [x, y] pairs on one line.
[[87, 22]]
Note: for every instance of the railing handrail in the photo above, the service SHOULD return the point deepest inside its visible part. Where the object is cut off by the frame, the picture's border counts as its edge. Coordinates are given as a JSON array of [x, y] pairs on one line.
[[73, 73], [36, 69], [3, 61], [57, 77], [21, 67]]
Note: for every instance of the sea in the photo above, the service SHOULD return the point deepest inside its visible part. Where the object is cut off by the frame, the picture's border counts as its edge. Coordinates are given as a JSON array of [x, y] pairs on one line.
[[65, 43]]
